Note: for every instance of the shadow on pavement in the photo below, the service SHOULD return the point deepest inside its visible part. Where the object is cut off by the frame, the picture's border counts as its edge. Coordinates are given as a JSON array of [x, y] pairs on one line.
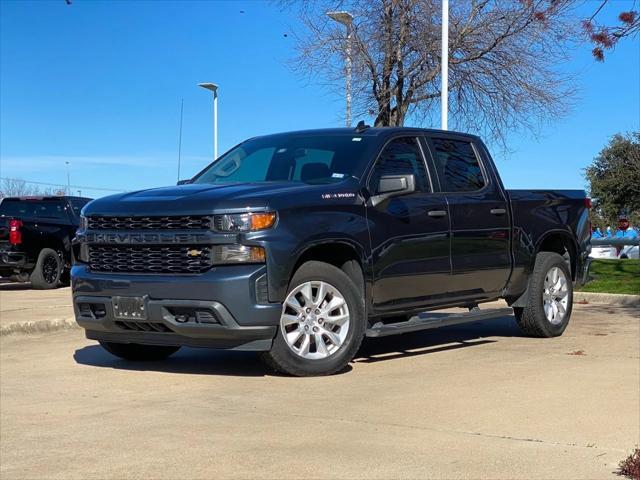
[[436, 340], [194, 361], [204, 361], [8, 285]]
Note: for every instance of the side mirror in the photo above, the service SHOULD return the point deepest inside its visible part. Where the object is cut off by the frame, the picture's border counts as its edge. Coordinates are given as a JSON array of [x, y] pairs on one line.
[[393, 186], [184, 182]]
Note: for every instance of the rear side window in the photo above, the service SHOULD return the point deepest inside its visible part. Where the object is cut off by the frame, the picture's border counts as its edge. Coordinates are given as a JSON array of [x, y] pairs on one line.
[[457, 165], [401, 156], [32, 209]]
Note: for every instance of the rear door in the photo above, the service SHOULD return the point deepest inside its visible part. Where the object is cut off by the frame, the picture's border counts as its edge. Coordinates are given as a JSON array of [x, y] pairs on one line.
[[409, 234], [480, 226]]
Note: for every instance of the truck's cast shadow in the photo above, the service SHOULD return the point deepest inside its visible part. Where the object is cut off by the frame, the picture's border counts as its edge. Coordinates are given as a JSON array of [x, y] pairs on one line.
[[13, 286], [196, 361], [436, 340]]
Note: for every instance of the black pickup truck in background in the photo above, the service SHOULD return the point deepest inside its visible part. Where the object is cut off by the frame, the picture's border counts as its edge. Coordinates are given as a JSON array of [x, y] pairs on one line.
[[35, 238], [300, 244]]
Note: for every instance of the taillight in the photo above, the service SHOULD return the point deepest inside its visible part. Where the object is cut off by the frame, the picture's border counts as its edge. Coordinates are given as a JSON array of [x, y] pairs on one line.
[[15, 234], [587, 203]]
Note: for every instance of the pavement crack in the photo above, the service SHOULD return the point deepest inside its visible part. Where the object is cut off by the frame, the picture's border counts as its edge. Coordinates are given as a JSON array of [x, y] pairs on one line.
[[435, 429]]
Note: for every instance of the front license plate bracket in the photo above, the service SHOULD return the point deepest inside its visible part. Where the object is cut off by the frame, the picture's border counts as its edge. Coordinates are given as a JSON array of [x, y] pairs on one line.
[[129, 308]]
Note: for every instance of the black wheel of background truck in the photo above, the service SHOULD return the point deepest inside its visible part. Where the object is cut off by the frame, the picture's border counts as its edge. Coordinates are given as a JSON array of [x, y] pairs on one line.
[[548, 308], [137, 352], [322, 323], [47, 271]]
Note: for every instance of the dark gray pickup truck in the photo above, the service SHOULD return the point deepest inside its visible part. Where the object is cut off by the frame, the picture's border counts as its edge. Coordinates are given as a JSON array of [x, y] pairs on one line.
[[299, 244]]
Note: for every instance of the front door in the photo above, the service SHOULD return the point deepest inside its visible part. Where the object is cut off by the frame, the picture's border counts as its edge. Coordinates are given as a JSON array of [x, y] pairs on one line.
[[409, 234]]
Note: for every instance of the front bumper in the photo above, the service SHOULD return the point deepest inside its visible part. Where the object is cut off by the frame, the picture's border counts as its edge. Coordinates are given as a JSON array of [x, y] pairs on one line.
[[234, 317]]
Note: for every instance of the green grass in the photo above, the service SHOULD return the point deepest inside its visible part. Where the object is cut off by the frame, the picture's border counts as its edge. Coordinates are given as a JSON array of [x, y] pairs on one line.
[[614, 276]]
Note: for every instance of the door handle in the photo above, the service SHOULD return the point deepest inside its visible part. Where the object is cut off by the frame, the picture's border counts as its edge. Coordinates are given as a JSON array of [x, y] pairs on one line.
[[437, 213], [498, 211]]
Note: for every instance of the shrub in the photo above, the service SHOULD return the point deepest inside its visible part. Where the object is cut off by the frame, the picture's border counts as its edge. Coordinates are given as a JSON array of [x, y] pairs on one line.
[[630, 466]]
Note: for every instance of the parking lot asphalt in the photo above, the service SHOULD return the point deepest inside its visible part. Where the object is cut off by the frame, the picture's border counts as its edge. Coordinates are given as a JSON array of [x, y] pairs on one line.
[[471, 401]]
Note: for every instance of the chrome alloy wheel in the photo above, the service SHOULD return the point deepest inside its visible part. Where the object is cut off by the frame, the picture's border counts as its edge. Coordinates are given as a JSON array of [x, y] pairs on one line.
[[555, 295], [315, 320]]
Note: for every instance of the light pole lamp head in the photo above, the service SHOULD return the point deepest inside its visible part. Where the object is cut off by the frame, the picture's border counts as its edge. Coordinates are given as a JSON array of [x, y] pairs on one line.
[[345, 18], [210, 86]]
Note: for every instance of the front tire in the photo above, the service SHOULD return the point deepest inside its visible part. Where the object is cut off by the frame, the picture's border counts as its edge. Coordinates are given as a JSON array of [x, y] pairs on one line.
[[138, 353], [548, 308], [48, 270], [322, 323]]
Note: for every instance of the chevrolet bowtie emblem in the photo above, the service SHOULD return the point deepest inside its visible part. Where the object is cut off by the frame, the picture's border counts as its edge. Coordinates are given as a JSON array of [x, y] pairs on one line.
[[194, 253]]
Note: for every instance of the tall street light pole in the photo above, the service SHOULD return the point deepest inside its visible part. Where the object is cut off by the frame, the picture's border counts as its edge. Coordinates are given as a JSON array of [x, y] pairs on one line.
[[214, 88], [346, 19], [68, 179], [444, 91]]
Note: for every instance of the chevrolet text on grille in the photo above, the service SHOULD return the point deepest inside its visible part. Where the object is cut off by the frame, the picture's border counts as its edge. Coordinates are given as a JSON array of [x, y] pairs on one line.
[[142, 238]]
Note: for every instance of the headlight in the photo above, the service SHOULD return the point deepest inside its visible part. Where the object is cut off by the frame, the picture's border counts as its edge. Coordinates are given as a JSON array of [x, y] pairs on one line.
[[244, 222], [83, 223], [225, 254]]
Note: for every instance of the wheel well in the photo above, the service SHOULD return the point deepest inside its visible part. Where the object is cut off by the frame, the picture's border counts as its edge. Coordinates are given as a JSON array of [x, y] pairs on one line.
[[340, 255], [57, 244], [562, 245]]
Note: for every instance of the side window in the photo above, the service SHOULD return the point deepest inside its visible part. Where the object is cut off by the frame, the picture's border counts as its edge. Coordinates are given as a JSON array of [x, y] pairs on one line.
[[77, 204], [401, 156], [458, 167]]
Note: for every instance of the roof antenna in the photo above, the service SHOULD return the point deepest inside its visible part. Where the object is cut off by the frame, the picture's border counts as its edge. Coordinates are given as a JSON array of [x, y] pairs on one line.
[[361, 127]]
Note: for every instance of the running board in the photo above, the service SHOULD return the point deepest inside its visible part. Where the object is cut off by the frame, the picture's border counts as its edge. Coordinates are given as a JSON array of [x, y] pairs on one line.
[[427, 320]]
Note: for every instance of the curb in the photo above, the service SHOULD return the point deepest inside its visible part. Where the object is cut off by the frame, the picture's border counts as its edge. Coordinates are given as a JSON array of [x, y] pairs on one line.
[[44, 326], [609, 298]]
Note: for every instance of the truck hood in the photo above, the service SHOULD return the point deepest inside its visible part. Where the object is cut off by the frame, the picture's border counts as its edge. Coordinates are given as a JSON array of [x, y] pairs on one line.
[[203, 199]]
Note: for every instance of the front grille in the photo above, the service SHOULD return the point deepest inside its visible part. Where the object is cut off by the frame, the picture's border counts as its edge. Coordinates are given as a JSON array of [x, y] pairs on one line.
[[198, 222], [156, 259]]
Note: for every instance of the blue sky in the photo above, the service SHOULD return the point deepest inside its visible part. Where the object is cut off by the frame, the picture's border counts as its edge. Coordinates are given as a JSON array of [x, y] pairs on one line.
[[99, 84]]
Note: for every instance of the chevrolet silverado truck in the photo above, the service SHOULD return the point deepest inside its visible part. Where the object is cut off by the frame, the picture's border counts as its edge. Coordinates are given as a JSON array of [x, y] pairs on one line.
[[298, 245], [35, 238]]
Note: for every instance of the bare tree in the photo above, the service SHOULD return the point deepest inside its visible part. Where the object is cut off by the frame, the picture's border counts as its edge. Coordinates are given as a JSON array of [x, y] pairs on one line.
[[503, 60], [16, 187]]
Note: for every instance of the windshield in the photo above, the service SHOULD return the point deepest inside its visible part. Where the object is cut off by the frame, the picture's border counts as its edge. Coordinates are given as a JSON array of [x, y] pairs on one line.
[[314, 159]]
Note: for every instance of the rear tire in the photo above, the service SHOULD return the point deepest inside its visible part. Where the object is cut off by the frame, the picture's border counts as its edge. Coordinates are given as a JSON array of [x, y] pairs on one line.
[[548, 308], [48, 270], [138, 353], [323, 330]]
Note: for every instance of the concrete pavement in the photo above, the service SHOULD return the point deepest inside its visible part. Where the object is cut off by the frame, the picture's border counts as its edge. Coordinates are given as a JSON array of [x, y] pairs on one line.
[[23, 309], [475, 401]]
